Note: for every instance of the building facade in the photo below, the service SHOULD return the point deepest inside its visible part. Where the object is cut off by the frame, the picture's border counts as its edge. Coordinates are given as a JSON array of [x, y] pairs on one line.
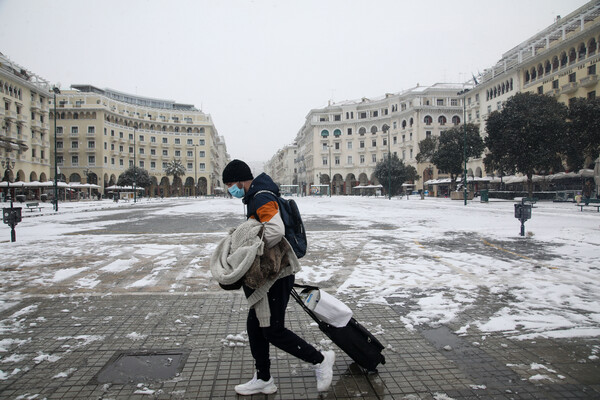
[[283, 166], [25, 136], [102, 132], [343, 142], [558, 61]]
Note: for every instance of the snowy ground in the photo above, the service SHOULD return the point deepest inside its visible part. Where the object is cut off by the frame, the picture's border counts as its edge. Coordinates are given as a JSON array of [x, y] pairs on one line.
[[437, 255]]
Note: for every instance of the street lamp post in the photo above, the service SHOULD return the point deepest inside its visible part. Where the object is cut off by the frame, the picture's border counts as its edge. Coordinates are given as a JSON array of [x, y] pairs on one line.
[[56, 91], [465, 144], [195, 171], [11, 216], [134, 165], [385, 129], [330, 177]]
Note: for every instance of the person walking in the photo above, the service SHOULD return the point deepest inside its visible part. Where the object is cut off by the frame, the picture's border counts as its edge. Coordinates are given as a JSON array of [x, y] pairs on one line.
[[262, 332]]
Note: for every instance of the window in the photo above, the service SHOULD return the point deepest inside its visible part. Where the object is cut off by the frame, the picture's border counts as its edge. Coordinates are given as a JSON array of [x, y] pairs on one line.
[[375, 113], [59, 160], [177, 153], [153, 164], [428, 120], [592, 70], [59, 145], [165, 140], [440, 102], [324, 160], [373, 143], [74, 144], [190, 153], [591, 95], [74, 160], [152, 152], [59, 130], [190, 141], [337, 160], [141, 163], [91, 160], [427, 134], [573, 77], [336, 145], [454, 102], [91, 129], [164, 165], [349, 160], [411, 154], [362, 144], [202, 166], [112, 161], [165, 152], [349, 131], [202, 154], [121, 135], [324, 133], [362, 158], [190, 166], [141, 138], [141, 150], [374, 158], [384, 141], [177, 141], [540, 90], [324, 147], [121, 148], [349, 145], [91, 144], [442, 120], [395, 140], [362, 115], [201, 142], [130, 149], [152, 139], [131, 136], [74, 130]]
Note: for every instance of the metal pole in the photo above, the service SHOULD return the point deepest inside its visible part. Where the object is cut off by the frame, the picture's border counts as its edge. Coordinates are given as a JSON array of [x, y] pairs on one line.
[[389, 167], [330, 177], [465, 144], [55, 90], [134, 166], [195, 171]]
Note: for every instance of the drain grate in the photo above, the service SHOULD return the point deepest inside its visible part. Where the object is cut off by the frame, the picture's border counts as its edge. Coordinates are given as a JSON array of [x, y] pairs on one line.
[[142, 366]]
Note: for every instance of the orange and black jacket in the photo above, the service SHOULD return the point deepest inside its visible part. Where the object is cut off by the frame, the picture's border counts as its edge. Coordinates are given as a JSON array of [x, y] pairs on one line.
[[264, 208]]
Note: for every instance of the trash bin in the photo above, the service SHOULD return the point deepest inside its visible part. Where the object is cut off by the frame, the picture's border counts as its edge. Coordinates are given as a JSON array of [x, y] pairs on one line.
[[484, 195]]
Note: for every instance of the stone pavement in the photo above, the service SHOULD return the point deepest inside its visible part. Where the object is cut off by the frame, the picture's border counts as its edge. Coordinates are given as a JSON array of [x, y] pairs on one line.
[[197, 341]]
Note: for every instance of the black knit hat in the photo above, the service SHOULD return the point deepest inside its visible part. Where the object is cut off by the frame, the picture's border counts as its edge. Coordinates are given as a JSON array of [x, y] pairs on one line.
[[237, 171]]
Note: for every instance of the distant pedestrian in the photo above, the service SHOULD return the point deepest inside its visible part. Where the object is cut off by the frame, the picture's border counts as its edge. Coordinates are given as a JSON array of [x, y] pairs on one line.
[[587, 189], [263, 329]]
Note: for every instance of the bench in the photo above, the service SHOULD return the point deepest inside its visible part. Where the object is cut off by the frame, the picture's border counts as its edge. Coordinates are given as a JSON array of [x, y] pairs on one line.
[[32, 206], [529, 200], [589, 203]]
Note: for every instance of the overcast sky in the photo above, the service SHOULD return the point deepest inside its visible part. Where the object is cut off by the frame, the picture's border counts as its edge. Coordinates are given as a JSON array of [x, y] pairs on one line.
[[258, 67]]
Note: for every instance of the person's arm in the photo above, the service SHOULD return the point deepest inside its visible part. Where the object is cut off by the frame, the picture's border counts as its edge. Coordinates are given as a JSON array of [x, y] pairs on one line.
[[269, 215]]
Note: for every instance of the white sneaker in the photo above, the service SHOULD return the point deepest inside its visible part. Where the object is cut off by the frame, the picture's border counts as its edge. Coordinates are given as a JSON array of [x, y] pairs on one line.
[[255, 386], [324, 371]]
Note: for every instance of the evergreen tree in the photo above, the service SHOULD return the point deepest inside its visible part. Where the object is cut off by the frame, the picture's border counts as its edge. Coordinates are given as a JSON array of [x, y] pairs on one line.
[[582, 144], [142, 178], [400, 173], [526, 136], [449, 156]]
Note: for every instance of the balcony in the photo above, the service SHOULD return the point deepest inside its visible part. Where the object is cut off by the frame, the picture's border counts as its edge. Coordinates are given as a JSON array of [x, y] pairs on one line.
[[21, 118], [35, 106], [569, 88], [589, 80], [10, 115]]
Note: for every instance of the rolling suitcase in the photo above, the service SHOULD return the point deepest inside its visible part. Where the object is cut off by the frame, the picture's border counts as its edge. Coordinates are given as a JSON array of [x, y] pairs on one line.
[[354, 339]]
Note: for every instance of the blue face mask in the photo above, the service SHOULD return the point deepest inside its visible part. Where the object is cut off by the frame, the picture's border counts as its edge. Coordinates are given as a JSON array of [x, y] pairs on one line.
[[236, 191]]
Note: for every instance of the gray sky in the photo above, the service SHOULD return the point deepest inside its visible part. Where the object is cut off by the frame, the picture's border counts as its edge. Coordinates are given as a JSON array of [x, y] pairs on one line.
[[258, 67]]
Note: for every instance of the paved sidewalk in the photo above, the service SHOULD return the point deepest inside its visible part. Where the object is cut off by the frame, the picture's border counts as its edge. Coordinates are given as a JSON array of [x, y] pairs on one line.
[[71, 340]]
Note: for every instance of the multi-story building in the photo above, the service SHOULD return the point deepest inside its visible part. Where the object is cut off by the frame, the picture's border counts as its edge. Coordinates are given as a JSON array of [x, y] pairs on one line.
[[103, 132], [283, 166], [345, 141], [559, 61], [25, 136]]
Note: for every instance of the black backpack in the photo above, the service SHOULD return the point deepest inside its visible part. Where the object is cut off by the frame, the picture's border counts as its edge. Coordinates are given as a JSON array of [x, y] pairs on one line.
[[294, 228]]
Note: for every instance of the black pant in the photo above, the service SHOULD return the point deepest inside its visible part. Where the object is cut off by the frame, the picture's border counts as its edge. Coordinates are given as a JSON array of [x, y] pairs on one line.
[[276, 333]]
